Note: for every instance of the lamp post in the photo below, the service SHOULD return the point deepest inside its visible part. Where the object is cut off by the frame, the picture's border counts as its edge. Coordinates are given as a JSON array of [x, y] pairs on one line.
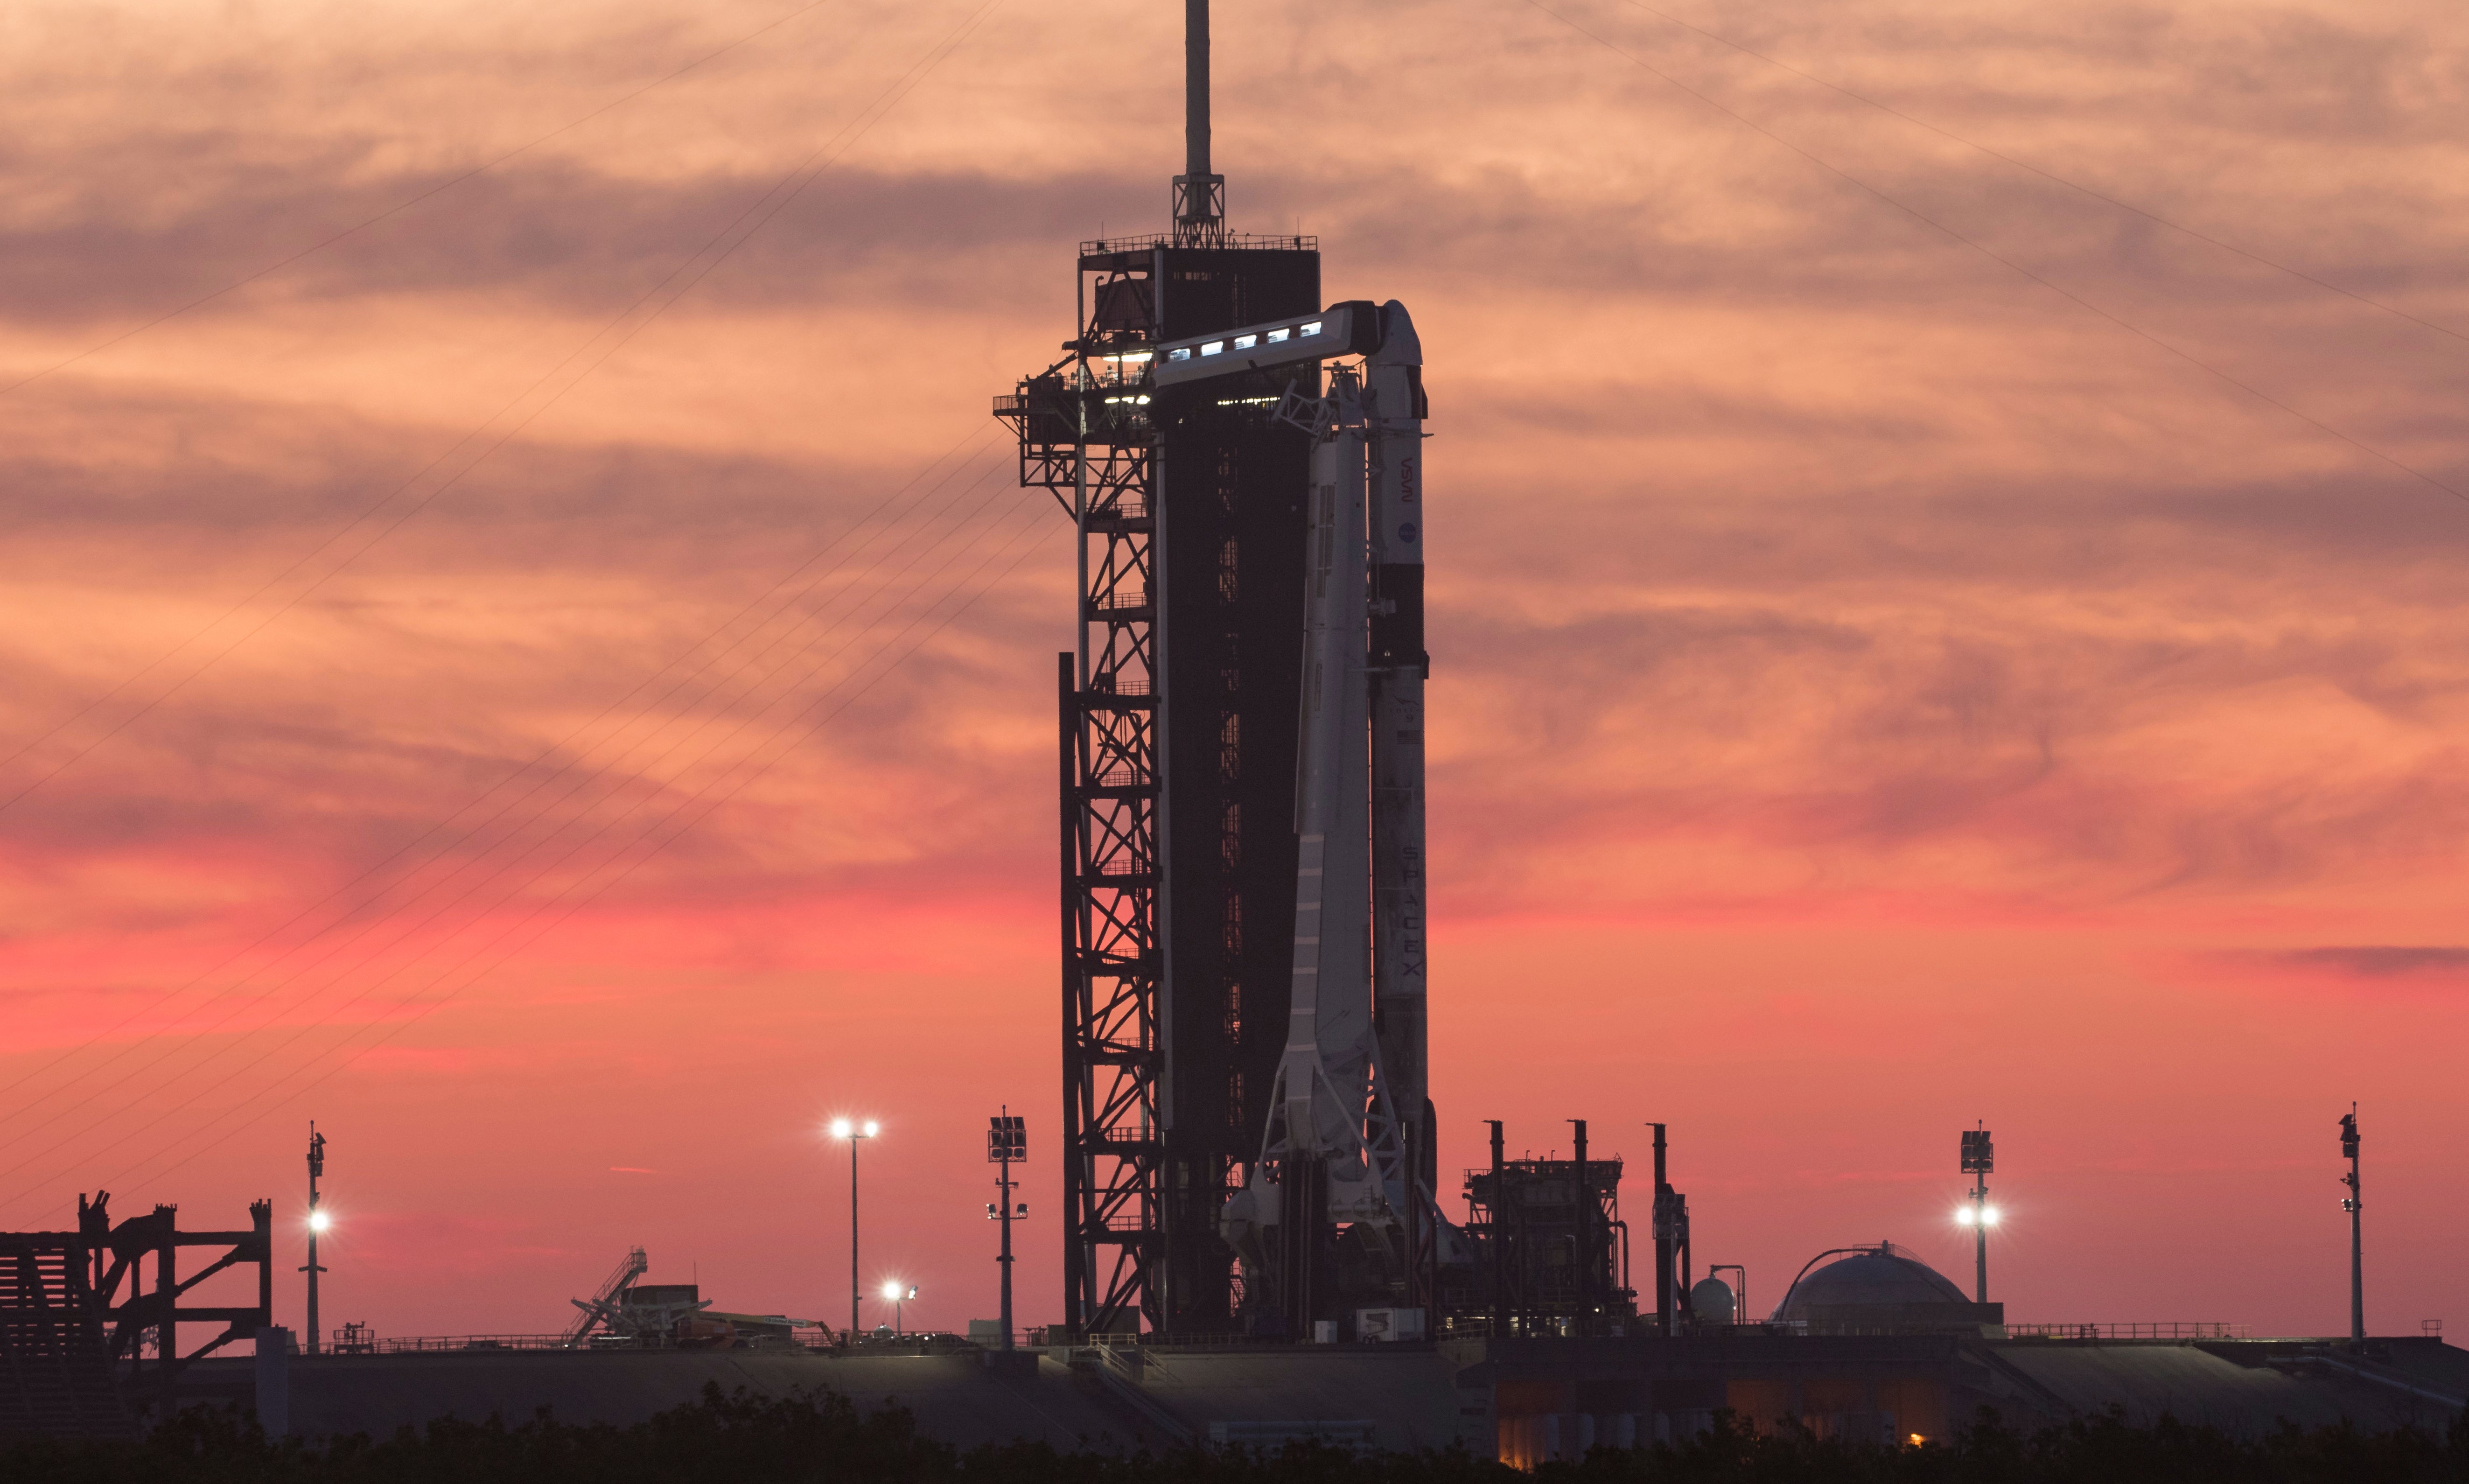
[[317, 1223], [1006, 1141], [843, 1128], [1978, 1160], [2353, 1205], [898, 1294]]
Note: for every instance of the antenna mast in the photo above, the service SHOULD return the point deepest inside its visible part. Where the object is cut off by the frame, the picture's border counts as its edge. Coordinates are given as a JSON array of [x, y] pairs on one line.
[[316, 1224], [1199, 197]]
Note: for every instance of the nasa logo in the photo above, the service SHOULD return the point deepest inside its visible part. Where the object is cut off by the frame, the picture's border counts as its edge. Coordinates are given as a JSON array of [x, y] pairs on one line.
[[1406, 532]]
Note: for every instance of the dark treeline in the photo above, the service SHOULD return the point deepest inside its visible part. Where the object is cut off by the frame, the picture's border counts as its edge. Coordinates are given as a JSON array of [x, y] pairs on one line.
[[749, 1440]]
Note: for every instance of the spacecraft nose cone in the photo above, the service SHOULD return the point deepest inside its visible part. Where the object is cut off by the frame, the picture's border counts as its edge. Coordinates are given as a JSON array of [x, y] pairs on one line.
[[1400, 345]]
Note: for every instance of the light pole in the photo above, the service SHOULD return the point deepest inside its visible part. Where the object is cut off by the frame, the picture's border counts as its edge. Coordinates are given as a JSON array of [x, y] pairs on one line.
[[316, 1224], [898, 1295], [1978, 1160], [1006, 1141], [2353, 1205], [842, 1129]]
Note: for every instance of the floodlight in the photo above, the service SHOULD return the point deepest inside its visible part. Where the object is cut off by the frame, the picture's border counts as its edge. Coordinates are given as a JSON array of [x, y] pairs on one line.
[[1989, 1216], [1963, 1216], [870, 1127], [839, 1128], [892, 1290], [319, 1221]]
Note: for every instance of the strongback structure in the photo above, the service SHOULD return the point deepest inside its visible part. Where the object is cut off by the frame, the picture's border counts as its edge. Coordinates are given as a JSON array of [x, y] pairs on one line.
[[1178, 713]]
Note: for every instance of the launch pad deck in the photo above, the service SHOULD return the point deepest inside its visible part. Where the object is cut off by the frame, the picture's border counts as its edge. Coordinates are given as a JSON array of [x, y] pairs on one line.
[[1519, 1401]]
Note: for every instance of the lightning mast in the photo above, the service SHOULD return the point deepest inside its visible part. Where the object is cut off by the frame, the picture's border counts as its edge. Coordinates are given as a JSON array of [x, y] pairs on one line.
[[1199, 197]]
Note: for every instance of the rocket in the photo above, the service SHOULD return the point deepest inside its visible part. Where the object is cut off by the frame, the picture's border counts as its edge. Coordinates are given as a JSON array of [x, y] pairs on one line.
[[1331, 1124], [1348, 1142], [1396, 667]]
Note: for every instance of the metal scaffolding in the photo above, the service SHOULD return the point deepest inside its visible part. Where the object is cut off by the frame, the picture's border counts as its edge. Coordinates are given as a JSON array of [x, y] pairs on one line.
[[1173, 942], [1082, 441]]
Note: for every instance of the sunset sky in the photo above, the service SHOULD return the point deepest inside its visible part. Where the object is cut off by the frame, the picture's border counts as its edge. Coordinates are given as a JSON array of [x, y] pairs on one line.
[[522, 642]]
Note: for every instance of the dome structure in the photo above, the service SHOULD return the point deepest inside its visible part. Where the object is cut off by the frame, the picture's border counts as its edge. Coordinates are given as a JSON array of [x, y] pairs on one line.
[[1877, 1278], [1711, 1301]]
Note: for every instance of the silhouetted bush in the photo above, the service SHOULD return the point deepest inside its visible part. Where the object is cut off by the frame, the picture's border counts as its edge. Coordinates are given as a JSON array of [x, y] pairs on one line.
[[822, 1438]]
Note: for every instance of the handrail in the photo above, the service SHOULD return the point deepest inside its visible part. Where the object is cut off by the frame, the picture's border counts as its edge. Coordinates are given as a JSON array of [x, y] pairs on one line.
[[2163, 1328]]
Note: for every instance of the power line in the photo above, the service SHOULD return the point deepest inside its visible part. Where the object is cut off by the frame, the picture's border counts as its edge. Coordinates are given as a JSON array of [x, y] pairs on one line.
[[379, 922], [543, 872], [786, 190], [1982, 248], [1027, 527], [561, 745], [810, 169], [406, 204]]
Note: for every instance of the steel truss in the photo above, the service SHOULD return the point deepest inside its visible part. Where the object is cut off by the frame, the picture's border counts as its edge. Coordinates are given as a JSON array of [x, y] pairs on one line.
[[1084, 435], [1177, 877], [82, 1325]]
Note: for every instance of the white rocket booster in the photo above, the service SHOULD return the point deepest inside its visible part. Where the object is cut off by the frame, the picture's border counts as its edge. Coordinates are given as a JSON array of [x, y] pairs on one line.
[[1394, 414], [1329, 1043], [1331, 1105], [1350, 1096]]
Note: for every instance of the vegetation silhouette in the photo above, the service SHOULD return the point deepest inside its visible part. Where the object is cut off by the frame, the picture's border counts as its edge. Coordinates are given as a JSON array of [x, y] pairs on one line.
[[822, 1438]]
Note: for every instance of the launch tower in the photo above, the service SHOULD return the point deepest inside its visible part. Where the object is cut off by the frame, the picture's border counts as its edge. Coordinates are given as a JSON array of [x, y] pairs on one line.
[[1179, 712]]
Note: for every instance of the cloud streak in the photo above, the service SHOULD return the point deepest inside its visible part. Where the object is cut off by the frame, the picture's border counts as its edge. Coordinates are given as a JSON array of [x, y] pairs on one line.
[[1828, 622]]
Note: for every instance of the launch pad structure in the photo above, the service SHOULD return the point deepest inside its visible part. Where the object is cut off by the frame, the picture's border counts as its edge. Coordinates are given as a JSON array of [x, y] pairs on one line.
[[1250, 1186], [1181, 717]]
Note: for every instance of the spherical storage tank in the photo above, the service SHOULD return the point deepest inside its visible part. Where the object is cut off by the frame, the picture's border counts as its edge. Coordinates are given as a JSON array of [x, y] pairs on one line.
[[1882, 1275], [1711, 1300]]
